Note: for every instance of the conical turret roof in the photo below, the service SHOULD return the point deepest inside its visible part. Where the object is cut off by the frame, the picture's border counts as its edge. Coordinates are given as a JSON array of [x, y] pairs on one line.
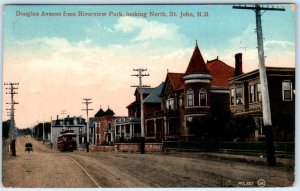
[[100, 113], [109, 112], [197, 64]]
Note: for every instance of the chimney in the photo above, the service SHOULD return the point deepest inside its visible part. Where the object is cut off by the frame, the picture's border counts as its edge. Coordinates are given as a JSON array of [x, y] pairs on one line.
[[238, 64], [56, 117]]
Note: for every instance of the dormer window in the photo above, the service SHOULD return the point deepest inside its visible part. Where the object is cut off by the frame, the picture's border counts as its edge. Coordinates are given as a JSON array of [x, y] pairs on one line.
[[203, 97], [190, 98]]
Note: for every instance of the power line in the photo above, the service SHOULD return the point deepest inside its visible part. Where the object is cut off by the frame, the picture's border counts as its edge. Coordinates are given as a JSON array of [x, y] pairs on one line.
[[12, 128], [87, 101], [140, 75], [263, 76]]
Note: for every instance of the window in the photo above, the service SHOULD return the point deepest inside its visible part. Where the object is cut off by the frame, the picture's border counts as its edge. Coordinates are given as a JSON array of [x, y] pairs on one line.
[[203, 97], [180, 102], [239, 95], [190, 98], [189, 119], [170, 103], [252, 94], [287, 91], [232, 96], [80, 130], [258, 92]]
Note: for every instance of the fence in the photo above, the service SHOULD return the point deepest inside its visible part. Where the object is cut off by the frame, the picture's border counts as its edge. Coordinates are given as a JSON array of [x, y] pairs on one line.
[[239, 147], [128, 147]]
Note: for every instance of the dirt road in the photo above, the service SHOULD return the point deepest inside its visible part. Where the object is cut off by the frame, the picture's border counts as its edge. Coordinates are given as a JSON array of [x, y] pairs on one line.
[[46, 167], [41, 168]]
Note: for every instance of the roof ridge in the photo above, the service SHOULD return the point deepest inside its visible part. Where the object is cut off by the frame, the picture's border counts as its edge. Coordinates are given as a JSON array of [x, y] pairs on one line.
[[211, 62]]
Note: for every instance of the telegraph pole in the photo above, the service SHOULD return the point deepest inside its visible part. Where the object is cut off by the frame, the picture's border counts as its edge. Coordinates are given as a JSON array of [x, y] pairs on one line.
[[140, 75], [12, 130], [87, 101], [263, 77], [63, 112]]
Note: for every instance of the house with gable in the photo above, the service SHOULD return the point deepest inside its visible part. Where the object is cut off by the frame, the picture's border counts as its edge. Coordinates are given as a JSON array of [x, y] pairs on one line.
[[103, 127], [192, 100], [127, 128]]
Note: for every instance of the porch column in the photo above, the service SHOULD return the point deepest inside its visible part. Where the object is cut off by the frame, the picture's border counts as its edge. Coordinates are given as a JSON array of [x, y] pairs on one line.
[[130, 131], [115, 130], [154, 127], [165, 127], [133, 129], [145, 132]]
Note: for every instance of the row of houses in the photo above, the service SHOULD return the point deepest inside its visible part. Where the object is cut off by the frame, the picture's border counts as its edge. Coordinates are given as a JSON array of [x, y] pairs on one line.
[[209, 101]]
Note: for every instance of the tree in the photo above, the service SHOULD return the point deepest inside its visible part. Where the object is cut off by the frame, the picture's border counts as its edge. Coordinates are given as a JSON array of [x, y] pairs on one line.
[[5, 129]]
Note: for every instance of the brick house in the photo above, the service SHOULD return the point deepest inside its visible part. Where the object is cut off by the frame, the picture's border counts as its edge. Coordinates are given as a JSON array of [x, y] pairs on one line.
[[246, 102], [189, 100], [103, 126]]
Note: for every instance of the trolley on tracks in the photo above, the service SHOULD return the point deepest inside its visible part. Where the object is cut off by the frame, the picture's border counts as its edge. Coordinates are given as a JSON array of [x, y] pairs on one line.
[[66, 141]]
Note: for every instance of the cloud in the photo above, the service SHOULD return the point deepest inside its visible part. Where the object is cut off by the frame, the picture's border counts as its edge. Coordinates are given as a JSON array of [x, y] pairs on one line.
[[60, 73], [147, 30], [277, 52], [246, 39], [56, 74], [284, 44]]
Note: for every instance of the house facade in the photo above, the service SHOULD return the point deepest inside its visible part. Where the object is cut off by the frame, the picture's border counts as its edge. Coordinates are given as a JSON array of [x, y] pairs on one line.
[[77, 124], [246, 102], [190, 100], [129, 127], [103, 127]]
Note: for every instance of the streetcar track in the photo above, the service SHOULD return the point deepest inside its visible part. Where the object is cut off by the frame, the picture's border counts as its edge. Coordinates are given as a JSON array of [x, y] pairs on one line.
[[85, 171], [126, 171], [131, 173]]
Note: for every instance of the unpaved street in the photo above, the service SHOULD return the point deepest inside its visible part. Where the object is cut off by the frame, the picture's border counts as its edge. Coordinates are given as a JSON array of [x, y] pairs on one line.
[[46, 167]]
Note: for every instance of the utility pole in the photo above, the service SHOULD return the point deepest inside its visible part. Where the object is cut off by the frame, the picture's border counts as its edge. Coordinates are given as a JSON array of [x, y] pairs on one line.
[[263, 77], [140, 75], [51, 131], [12, 129], [63, 112], [87, 101]]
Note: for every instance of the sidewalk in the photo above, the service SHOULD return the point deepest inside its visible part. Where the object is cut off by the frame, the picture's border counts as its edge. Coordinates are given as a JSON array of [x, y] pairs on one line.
[[259, 159]]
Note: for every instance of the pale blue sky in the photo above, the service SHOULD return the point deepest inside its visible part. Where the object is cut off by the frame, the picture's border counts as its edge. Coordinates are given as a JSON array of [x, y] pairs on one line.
[[223, 24]]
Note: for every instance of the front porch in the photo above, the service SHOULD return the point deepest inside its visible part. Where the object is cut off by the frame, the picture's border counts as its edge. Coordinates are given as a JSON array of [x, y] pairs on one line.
[[162, 125], [127, 128]]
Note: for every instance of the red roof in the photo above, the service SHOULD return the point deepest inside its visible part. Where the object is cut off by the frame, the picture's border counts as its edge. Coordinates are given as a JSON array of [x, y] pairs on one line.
[[220, 72], [197, 64], [176, 80]]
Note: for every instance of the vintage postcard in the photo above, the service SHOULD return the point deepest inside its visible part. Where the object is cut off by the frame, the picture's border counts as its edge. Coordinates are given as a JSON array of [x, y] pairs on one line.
[[148, 96]]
